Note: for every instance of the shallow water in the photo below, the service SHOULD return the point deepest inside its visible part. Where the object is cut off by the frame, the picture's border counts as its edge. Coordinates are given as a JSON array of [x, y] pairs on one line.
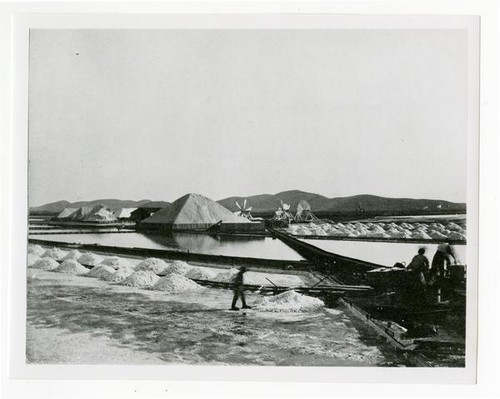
[[197, 328], [256, 247], [382, 253]]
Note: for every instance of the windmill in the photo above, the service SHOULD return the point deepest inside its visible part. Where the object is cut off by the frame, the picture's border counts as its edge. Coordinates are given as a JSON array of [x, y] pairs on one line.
[[283, 214], [244, 211], [304, 213]]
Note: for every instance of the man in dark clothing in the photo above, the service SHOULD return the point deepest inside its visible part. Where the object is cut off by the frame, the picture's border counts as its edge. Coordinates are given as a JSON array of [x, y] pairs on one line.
[[239, 290], [419, 265]]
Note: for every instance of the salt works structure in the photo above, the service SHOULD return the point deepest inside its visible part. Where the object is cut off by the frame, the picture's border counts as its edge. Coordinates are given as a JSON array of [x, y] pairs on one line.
[[195, 212]]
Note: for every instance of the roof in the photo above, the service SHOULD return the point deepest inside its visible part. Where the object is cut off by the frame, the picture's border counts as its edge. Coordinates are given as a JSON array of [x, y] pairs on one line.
[[192, 209], [123, 213]]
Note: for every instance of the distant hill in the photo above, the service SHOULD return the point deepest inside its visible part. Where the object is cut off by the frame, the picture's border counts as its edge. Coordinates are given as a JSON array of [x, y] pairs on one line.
[[371, 204], [114, 204], [268, 203]]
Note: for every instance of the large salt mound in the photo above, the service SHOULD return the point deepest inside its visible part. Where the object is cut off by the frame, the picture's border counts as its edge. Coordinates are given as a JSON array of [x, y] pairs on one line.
[[73, 254], [71, 266], [178, 267], [54, 253], [175, 283], [101, 272], [115, 262], [154, 265], [141, 279], [32, 259], [90, 259], [289, 301], [46, 264], [120, 274], [35, 249], [226, 277], [200, 274]]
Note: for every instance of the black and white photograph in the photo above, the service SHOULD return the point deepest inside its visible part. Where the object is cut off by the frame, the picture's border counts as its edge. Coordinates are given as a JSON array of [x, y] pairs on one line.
[[248, 197]]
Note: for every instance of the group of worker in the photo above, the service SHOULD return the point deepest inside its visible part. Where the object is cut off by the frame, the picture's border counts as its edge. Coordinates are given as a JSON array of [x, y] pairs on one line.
[[433, 274]]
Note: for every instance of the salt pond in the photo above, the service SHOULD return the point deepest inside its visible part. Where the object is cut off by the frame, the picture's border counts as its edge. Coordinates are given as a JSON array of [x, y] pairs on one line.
[[382, 253], [192, 328], [256, 247]]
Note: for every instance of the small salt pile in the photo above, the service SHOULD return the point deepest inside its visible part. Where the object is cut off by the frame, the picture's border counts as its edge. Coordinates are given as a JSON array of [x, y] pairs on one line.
[[116, 262], [141, 279], [35, 249], [74, 254], [71, 266], [101, 272], [32, 259], [289, 301], [154, 265], [90, 259], [178, 267], [175, 283], [197, 273], [226, 277], [54, 253], [46, 264], [119, 275]]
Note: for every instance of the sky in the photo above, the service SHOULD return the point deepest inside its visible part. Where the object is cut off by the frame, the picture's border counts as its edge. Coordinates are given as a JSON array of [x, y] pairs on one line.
[[155, 114]]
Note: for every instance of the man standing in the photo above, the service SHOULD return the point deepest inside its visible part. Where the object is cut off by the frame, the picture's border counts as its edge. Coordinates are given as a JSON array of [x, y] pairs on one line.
[[419, 265], [239, 290]]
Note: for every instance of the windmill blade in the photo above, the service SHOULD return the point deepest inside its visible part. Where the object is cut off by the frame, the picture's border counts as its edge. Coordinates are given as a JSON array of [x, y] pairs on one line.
[[248, 209], [237, 213], [245, 203], [238, 205]]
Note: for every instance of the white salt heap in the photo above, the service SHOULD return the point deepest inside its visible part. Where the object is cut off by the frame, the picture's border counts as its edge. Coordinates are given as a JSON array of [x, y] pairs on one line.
[[71, 266], [90, 259], [73, 254], [175, 283], [116, 262], [289, 301], [154, 265], [35, 249], [200, 273], [141, 279], [226, 277], [178, 267], [54, 253], [46, 264], [120, 274], [32, 259], [101, 272]]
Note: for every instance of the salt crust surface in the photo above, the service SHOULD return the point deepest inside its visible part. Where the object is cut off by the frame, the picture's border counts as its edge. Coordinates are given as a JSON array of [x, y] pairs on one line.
[[175, 283], [46, 264], [154, 265], [54, 253], [289, 301], [116, 262], [35, 249], [141, 279], [90, 259], [71, 266], [101, 272]]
